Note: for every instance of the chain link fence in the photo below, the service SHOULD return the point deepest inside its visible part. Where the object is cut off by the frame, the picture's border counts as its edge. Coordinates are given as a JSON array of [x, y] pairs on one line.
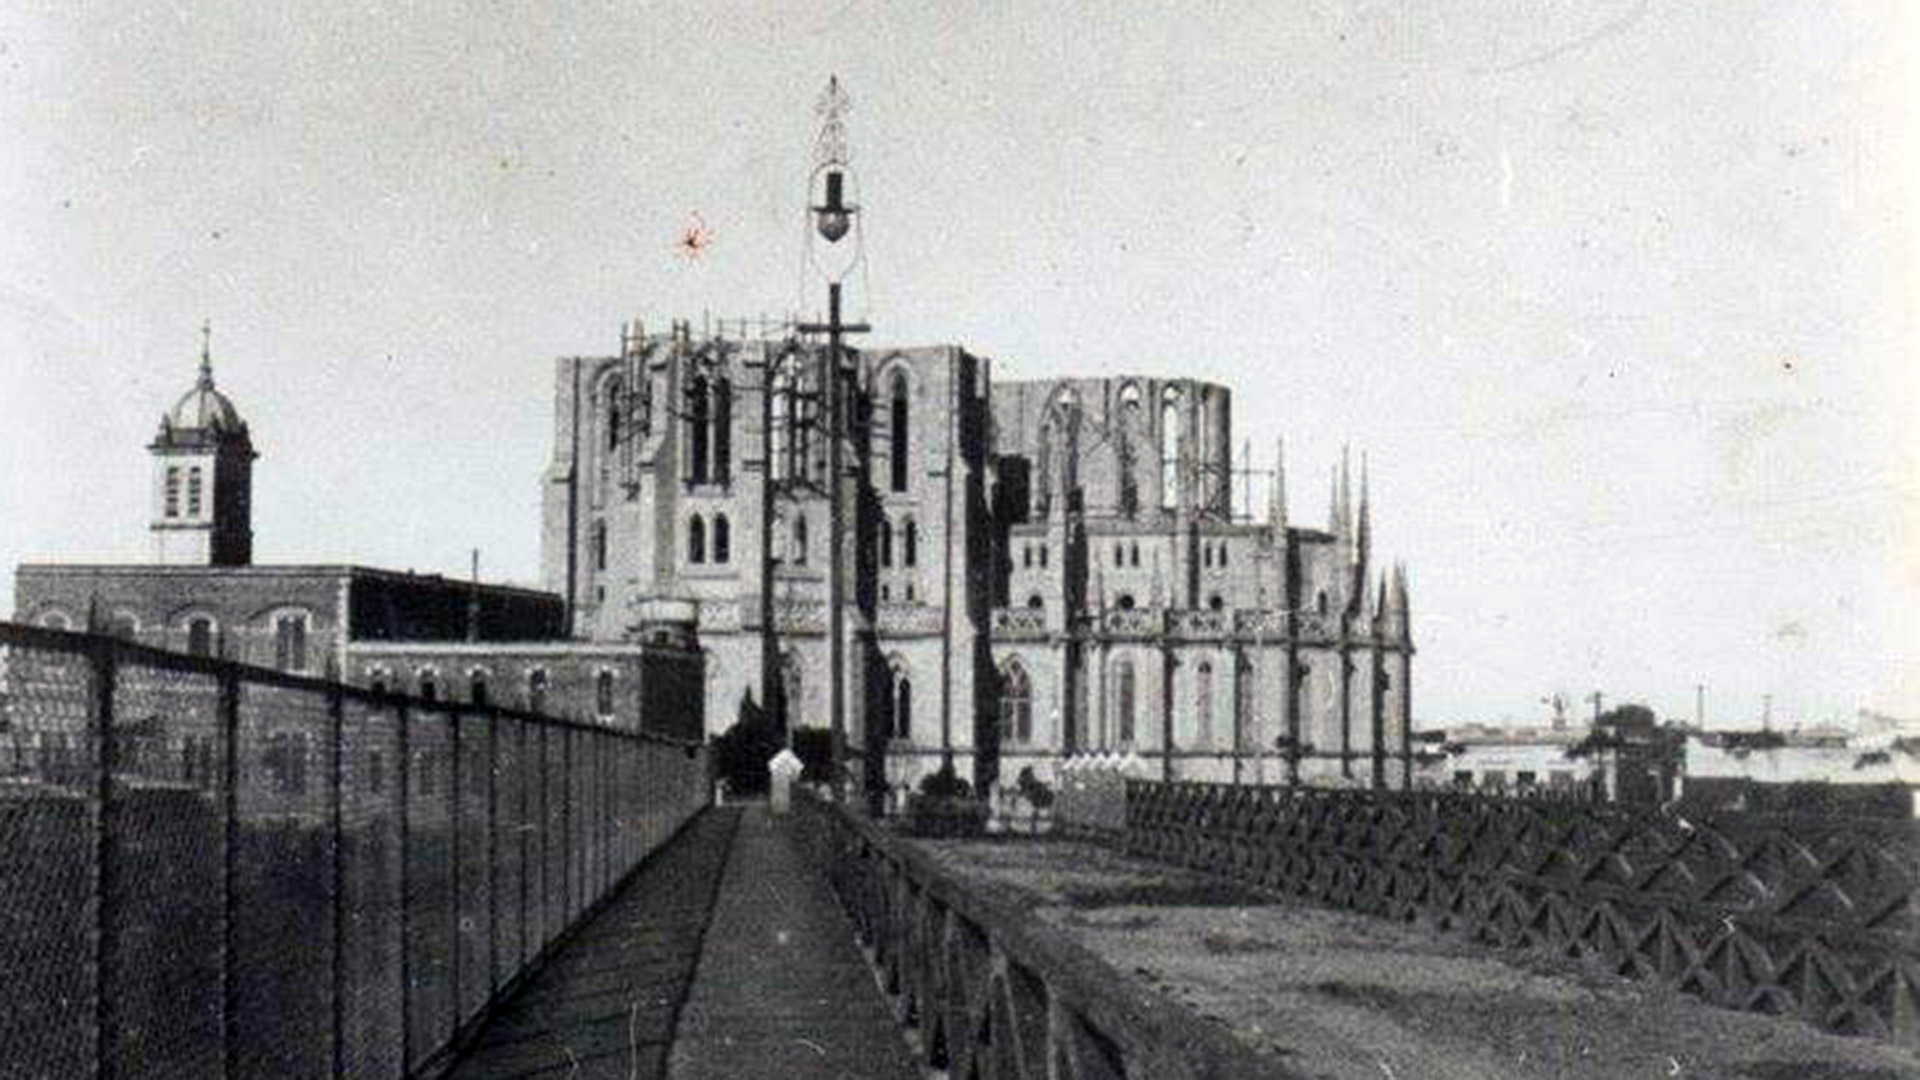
[[213, 870]]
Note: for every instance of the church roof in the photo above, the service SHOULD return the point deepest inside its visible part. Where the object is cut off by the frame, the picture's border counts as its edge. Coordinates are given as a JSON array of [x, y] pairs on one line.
[[203, 408]]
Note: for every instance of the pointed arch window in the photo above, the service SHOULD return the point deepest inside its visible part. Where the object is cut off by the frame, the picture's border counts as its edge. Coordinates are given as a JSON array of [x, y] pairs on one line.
[[1203, 705], [1170, 449], [1016, 704], [616, 393], [696, 540], [800, 541], [537, 690], [886, 542], [698, 429], [1124, 700], [910, 544], [477, 686], [897, 426], [902, 702], [429, 684], [600, 545], [290, 642], [722, 539], [722, 431]]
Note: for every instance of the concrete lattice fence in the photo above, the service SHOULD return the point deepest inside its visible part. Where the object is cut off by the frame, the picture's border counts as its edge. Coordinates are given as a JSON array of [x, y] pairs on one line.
[[1813, 917], [222, 871]]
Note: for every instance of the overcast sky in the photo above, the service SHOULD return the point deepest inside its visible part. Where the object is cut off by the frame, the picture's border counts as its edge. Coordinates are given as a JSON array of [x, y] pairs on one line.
[[1619, 295]]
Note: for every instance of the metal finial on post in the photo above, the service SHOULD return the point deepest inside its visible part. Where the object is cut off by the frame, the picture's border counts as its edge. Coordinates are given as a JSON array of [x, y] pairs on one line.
[[206, 353]]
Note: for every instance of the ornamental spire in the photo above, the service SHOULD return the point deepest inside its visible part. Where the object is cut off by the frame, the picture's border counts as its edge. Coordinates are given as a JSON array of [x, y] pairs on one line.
[[206, 354], [830, 146]]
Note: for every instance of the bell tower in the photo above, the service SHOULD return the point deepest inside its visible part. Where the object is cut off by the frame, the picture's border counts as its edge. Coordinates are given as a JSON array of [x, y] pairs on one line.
[[203, 477]]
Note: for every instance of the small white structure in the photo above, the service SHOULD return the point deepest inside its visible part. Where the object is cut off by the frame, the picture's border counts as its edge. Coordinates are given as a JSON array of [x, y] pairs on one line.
[[783, 769]]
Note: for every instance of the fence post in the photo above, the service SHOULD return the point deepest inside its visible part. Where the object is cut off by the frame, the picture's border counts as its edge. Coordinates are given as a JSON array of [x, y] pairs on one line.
[[403, 795], [567, 845], [101, 658], [493, 854], [230, 848], [336, 785], [453, 837]]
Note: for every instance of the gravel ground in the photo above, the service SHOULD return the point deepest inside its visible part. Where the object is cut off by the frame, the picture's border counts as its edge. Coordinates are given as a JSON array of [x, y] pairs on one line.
[[1344, 996]]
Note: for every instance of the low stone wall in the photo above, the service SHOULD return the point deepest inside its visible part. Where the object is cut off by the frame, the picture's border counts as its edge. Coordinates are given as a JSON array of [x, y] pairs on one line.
[[990, 992], [1814, 917]]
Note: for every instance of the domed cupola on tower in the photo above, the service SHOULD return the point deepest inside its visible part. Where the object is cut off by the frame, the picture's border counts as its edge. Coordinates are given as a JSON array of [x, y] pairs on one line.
[[203, 477]]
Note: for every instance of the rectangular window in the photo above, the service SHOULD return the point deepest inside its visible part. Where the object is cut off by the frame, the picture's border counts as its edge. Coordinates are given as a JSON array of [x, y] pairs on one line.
[[290, 643], [200, 637], [173, 491], [193, 491]]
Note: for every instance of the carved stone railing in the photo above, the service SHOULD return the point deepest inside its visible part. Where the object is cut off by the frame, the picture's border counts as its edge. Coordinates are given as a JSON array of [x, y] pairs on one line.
[[1313, 626], [1818, 918], [1019, 624], [1270, 625], [896, 619], [790, 616], [992, 991], [1132, 622], [1199, 625]]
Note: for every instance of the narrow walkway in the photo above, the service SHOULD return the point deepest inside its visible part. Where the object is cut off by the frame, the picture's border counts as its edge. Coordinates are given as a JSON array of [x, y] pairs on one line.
[[782, 988], [604, 1005], [730, 931]]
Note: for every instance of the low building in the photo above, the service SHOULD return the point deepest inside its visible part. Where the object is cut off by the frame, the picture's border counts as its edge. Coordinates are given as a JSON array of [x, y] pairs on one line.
[[1513, 759]]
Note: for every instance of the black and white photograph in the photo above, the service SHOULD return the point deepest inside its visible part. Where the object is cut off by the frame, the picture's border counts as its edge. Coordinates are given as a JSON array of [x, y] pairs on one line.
[[862, 540]]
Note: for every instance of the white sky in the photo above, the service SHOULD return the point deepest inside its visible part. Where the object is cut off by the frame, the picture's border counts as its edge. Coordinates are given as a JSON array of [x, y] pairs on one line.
[[1619, 295]]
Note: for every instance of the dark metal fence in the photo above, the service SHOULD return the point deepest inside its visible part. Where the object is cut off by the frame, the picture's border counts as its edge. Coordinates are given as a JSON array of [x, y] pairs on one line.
[[990, 992], [1808, 916], [213, 870]]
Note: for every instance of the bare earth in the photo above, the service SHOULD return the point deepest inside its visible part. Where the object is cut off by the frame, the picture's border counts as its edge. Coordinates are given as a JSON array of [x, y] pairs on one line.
[[1343, 996]]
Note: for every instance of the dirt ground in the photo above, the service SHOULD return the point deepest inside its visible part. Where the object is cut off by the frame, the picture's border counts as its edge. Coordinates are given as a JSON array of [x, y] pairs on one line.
[[1344, 996]]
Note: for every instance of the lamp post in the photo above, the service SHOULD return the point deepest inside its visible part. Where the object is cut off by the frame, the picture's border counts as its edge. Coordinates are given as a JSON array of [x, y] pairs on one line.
[[834, 224]]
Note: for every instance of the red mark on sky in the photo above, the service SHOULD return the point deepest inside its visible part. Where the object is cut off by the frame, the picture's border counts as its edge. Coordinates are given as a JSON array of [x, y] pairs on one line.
[[695, 239]]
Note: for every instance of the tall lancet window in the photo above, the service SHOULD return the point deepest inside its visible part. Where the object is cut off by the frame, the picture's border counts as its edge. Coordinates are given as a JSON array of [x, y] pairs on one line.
[[897, 427], [1170, 449], [722, 430], [615, 410], [697, 430]]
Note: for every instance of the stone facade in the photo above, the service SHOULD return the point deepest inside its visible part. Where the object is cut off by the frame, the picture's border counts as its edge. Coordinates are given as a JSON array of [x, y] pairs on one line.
[[1033, 568]]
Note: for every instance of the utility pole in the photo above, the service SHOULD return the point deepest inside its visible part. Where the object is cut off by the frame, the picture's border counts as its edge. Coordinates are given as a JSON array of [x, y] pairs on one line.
[[1700, 706], [833, 220]]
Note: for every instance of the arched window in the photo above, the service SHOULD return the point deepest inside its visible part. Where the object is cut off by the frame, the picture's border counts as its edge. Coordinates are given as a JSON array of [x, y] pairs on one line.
[[722, 434], [193, 491], [124, 625], [1043, 556], [910, 544], [429, 685], [537, 690], [616, 390], [722, 539], [1203, 705], [477, 686], [886, 542], [897, 425], [697, 430], [603, 695], [902, 703], [1026, 556], [200, 636], [600, 545], [696, 540], [1170, 449], [1223, 554], [1133, 554], [377, 681], [1123, 700], [800, 541], [1016, 704], [173, 491], [56, 620], [1321, 602], [1119, 555], [290, 641]]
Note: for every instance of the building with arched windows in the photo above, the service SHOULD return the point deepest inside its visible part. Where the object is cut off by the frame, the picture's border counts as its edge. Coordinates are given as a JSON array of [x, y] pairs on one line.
[[1033, 568]]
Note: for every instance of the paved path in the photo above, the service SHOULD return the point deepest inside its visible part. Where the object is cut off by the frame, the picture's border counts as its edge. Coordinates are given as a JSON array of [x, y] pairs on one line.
[[782, 989], [726, 956], [604, 1005]]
